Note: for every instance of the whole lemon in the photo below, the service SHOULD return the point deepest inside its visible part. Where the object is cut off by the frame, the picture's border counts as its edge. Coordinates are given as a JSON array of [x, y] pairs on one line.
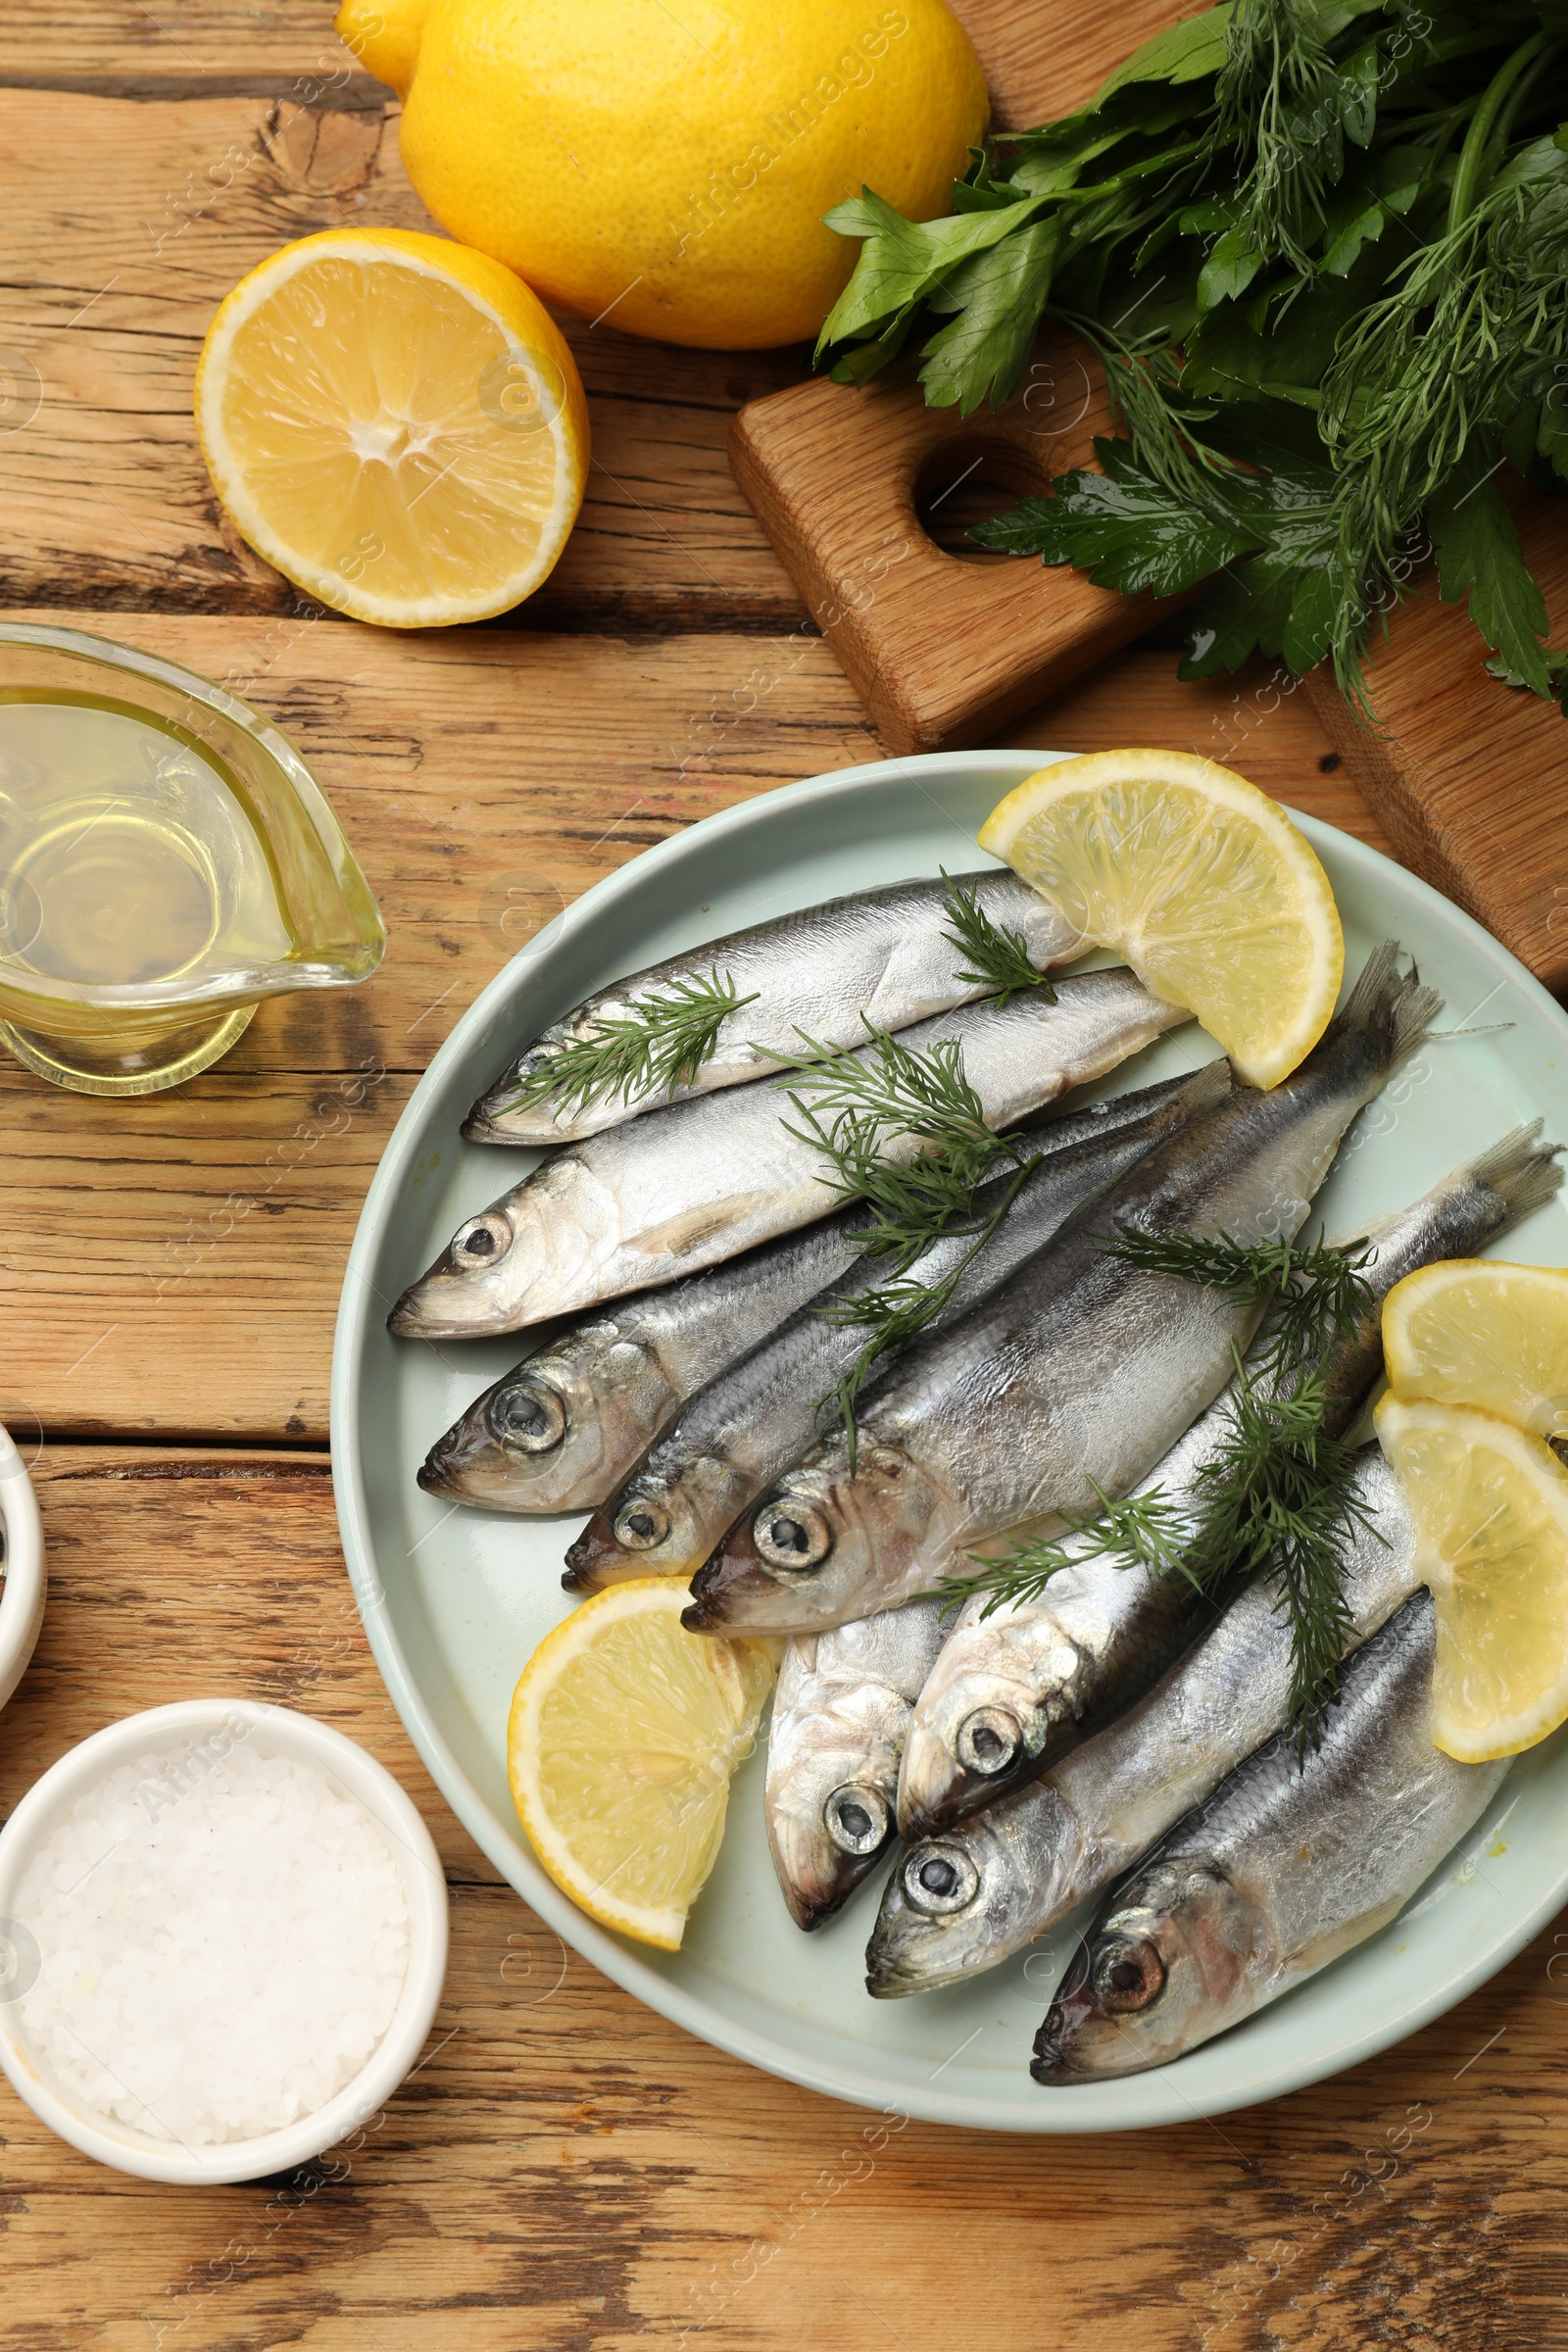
[[667, 168]]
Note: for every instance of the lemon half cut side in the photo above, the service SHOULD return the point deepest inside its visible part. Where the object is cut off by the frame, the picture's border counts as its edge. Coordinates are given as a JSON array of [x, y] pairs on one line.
[[625, 1731], [396, 423], [1217, 902], [1490, 1504]]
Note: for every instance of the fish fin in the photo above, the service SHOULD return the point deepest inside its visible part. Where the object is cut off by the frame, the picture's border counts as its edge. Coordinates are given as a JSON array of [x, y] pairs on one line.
[[1521, 1170], [1390, 1009], [1208, 1087]]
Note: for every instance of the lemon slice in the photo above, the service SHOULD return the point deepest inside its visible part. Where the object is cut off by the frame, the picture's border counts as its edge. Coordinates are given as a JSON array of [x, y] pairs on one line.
[[1474, 1331], [396, 423], [1490, 1509], [1199, 880], [624, 1731]]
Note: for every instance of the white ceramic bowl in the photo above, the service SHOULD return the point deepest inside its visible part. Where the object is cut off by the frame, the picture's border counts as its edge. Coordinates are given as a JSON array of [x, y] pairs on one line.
[[22, 1592], [278, 1732]]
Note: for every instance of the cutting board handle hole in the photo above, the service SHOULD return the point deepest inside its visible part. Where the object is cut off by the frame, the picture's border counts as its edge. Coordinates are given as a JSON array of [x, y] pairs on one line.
[[966, 480]]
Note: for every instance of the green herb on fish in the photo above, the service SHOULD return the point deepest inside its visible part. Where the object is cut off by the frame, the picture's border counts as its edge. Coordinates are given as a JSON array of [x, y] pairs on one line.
[[657, 1048], [858, 1106], [1000, 957], [1315, 1292], [1277, 1494]]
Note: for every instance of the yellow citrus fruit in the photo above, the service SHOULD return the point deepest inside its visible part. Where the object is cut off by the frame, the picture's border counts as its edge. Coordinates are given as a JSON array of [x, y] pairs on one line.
[[624, 1732], [395, 423], [1474, 1331], [1490, 1504], [669, 168], [1199, 880]]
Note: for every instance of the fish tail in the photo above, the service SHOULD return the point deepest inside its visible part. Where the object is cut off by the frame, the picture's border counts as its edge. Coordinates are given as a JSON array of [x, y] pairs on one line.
[[1389, 1009], [1521, 1170]]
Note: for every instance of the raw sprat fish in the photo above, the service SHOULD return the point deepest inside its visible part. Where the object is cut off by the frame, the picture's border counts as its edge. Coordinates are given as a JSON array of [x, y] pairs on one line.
[[731, 1441], [1072, 1381], [884, 957], [960, 1903], [839, 1714], [1291, 1862], [700, 1180], [1012, 1690], [562, 1430]]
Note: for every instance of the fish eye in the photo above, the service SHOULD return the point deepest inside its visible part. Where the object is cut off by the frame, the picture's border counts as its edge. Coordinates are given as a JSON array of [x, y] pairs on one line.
[[856, 1818], [989, 1740], [939, 1879], [1128, 1975], [527, 1417], [639, 1526], [792, 1535], [482, 1241]]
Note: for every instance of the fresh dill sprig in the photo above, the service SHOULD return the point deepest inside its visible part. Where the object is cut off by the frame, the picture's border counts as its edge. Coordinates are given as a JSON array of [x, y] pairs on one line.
[[1001, 958], [1315, 1292], [1141, 1531], [861, 1103], [657, 1047]]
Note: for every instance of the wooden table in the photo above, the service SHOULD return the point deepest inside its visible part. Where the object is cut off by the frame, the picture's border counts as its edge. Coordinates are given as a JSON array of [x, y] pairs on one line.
[[564, 2168]]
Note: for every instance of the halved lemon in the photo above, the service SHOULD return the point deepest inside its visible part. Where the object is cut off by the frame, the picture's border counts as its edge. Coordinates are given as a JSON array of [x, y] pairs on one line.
[[1476, 1330], [1490, 1504], [1199, 880], [396, 423], [624, 1732]]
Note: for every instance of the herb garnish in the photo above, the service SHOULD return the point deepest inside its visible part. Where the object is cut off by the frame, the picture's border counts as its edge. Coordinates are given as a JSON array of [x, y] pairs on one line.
[[1318, 247], [1003, 965], [1278, 1492], [851, 1105], [657, 1047]]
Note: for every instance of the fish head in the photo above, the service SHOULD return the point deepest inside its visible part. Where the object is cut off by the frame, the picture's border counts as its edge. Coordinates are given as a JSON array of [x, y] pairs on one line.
[[482, 1281], [973, 1739], [1165, 1969], [657, 1525], [953, 1908], [555, 1432], [828, 1825], [825, 1546]]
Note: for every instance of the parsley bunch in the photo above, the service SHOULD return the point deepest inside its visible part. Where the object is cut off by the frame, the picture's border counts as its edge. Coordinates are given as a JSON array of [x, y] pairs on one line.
[[1320, 247]]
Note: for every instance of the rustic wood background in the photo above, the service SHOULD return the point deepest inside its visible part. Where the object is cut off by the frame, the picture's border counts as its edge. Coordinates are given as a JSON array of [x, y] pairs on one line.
[[565, 2170]]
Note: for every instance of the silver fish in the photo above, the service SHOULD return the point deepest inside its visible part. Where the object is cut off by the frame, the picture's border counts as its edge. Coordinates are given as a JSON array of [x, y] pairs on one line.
[[738, 1435], [1072, 1381], [688, 1186], [564, 1428], [959, 1903], [1290, 1864], [883, 954], [1012, 1690], [838, 1712]]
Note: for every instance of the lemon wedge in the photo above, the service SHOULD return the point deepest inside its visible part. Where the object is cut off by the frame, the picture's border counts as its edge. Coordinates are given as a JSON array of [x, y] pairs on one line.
[[1198, 880], [624, 1732], [1490, 1504], [1476, 1330], [396, 423]]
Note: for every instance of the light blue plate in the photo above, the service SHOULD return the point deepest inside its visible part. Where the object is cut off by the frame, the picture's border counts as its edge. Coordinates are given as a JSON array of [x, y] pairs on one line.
[[455, 1601]]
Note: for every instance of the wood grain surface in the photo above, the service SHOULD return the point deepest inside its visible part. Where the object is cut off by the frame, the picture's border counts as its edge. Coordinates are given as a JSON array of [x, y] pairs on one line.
[[563, 2169]]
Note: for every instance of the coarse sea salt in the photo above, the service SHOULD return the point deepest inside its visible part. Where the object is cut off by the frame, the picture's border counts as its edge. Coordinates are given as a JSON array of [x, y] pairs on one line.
[[224, 1936]]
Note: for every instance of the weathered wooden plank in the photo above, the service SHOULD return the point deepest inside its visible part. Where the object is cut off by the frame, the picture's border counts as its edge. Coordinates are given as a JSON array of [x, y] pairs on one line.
[[127, 224], [205, 37], [569, 2173], [171, 1266]]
